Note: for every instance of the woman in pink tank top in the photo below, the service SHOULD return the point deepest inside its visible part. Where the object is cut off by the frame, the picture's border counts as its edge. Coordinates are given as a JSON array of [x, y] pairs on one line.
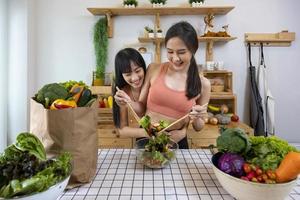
[[174, 89]]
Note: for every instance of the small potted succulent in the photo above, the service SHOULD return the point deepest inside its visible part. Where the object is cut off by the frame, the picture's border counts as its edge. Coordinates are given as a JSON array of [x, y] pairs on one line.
[[196, 3], [149, 31], [158, 3], [130, 3], [159, 33]]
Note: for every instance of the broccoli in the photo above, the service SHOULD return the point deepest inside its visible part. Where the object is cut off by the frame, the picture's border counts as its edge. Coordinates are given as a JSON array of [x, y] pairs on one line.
[[50, 93], [233, 140]]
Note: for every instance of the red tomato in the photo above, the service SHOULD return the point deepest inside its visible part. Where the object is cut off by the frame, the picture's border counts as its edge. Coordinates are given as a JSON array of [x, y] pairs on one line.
[[247, 168], [258, 171], [235, 118], [260, 179], [264, 177], [251, 175], [254, 179], [271, 174]]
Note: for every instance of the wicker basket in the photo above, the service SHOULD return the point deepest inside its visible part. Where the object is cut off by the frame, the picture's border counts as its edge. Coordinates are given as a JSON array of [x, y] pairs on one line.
[[217, 88]]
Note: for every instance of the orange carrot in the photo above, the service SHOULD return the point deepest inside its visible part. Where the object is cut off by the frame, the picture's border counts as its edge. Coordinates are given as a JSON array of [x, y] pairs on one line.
[[289, 167]]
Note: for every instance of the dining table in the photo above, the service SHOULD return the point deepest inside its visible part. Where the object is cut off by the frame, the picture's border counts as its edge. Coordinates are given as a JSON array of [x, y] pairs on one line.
[[121, 176]]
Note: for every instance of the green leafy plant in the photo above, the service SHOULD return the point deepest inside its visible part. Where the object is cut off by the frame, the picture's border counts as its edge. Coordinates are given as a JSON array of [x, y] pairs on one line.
[[148, 29], [196, 1], [130, 2], [159, 30], [158, 1], [101, 46]]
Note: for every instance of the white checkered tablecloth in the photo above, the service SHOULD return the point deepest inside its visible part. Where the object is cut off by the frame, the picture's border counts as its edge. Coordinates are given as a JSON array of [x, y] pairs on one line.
[[120, 176]]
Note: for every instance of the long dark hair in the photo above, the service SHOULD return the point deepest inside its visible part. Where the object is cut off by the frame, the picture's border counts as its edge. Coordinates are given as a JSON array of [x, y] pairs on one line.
[[123, 61], [188, 35]]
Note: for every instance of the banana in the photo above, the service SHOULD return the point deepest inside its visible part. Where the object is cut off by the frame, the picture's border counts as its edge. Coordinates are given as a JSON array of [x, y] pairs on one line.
[[214, 108]]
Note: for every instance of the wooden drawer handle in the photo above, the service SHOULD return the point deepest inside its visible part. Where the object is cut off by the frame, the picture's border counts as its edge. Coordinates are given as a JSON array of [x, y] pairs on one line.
[[116, 133]]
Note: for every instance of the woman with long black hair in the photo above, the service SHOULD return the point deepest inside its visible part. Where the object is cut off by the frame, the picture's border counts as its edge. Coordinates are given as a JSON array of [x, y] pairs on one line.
[[174, 88]]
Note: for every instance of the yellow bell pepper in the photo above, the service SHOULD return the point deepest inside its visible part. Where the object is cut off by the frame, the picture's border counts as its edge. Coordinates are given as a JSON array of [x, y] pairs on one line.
[[110, 101], [62, 104]]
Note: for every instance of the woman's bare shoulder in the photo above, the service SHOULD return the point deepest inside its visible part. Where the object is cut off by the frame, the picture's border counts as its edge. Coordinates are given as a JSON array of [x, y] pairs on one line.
[[205, 83], [153, 69]]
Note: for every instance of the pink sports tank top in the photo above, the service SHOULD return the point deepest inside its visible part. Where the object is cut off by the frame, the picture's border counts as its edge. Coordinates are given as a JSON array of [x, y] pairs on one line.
[[166, 101]]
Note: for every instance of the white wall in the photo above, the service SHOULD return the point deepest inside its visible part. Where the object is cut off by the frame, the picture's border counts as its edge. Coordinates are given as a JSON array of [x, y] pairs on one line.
[[3, 74], [17, 68], [62, 47]]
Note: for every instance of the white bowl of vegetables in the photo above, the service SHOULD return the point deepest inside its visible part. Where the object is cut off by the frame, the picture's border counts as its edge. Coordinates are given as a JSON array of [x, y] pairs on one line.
[[257, 168], [26, 174]]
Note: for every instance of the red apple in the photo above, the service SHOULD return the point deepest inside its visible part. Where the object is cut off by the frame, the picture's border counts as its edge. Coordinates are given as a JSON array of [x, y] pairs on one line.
[[234, 118]]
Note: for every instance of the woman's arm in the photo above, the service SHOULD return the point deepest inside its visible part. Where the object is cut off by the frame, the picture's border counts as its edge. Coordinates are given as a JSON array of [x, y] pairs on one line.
[[127, 131], [177, 135], [200, 109], [141, 105], [132, 132]]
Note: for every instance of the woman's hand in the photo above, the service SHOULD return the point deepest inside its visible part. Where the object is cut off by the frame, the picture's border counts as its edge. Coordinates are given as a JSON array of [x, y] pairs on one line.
[[122, 98], [197, 116], [198, 111]]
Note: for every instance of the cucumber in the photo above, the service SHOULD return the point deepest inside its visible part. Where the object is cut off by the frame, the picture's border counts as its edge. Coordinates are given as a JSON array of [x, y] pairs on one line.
[[84, 98]]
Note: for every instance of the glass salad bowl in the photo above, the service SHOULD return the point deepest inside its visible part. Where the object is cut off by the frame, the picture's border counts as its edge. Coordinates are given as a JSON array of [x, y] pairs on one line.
[[154, 155]]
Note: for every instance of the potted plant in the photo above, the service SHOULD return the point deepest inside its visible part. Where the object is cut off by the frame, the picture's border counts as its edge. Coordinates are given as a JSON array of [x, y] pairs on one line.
[[158, 3], [196, 3], [149, 31], [159, 33], [130, 3], [100, 45]]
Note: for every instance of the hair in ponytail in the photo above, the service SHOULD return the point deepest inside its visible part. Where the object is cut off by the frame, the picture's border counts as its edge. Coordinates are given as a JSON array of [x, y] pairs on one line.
[[193, 86]]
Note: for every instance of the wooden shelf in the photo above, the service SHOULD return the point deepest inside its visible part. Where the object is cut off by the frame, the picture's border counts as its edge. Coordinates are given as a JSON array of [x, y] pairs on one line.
[[228, 99], [209, 47], [157, 12], [200, 39], [216, 10], [101, 90], [283, 38], [216, 39]]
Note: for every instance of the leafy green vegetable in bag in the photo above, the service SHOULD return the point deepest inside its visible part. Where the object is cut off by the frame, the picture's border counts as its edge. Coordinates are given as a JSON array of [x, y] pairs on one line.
[[233, 140], [51, 92]]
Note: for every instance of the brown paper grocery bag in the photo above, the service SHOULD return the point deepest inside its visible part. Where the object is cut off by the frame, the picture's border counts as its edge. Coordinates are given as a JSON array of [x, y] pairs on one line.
[[72, 130]]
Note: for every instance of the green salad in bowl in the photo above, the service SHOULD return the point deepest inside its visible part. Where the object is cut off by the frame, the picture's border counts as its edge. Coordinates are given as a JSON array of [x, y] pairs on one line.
[[158, 150], [25, 172]]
